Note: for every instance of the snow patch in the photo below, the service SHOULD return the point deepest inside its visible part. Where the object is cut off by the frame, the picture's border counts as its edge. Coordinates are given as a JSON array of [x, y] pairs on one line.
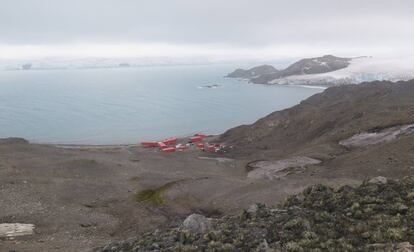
[[15, 229], [385, 135]]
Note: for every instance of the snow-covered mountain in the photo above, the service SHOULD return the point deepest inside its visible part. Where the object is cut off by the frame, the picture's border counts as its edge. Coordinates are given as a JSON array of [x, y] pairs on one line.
[[342, 71], [359, 70], [264, 74]]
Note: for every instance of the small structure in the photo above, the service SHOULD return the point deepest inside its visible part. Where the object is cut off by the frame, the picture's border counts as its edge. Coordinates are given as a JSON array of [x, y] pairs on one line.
[[196, 139], [170, 144], [200, 146], [162, 145], [150, 143], [181, 147], [170, 141], [211, 148], [169, 149]]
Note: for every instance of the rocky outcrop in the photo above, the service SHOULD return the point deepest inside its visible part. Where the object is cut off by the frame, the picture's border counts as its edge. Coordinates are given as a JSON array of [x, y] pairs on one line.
[[324, 64], [369, 217], [379, 136], [378, 180]]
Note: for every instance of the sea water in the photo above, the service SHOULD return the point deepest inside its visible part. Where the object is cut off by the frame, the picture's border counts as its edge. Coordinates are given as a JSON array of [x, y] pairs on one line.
[[127, 105]]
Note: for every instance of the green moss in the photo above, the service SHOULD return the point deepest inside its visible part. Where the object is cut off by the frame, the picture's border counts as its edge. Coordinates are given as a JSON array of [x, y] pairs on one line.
[[154, 195], [150, 195]]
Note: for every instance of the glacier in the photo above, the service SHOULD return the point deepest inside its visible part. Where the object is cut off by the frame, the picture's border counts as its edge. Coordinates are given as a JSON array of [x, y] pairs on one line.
[[361, 69]]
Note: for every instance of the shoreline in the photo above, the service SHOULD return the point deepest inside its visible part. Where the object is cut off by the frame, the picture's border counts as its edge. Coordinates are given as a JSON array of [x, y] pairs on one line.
[[98, 146]]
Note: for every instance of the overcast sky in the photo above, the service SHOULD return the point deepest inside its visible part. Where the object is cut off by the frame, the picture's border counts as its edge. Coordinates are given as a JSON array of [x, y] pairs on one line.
[[227, 28]]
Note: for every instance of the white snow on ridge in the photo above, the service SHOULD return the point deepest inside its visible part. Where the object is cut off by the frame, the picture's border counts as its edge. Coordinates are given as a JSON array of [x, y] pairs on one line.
[[360, 70]]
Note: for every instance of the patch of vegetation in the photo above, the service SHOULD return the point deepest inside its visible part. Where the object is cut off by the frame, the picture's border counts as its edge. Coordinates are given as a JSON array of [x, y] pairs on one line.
[[154, 195], [378, 215]]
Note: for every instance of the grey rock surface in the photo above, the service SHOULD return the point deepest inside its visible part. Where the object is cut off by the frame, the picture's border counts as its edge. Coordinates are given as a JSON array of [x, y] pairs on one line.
[[197, 223]]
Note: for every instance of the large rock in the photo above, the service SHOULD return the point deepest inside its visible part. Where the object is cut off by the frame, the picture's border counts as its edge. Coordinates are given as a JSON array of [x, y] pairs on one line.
[[197, 223], [252, 209], [405, 247], [378, 180]]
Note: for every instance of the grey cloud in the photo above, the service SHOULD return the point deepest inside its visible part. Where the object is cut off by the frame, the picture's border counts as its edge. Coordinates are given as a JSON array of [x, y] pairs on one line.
[[231, 22]]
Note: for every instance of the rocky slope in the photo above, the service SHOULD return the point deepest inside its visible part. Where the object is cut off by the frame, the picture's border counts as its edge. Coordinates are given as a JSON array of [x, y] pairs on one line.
[[378, 215], [326, 118], [265, 74]]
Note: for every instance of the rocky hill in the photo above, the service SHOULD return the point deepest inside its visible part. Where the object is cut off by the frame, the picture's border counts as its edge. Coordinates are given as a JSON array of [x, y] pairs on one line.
[[378, 215], [264, 74], [253, 72], [327, 118]]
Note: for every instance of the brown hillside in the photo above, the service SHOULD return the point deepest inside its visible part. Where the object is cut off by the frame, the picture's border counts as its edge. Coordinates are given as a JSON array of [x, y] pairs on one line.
[[328, 117]]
